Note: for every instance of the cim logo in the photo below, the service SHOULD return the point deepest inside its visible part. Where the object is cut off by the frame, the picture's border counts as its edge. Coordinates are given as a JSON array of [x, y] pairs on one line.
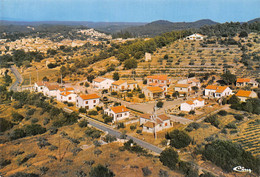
[[242, 169]]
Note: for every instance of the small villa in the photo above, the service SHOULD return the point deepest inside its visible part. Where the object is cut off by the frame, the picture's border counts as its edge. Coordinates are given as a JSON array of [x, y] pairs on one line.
[[217, 91], [102, 83], [153, 123], [242, 82], [153, 92], [243, 95], [117, 113], [89, 101], [192, 104]]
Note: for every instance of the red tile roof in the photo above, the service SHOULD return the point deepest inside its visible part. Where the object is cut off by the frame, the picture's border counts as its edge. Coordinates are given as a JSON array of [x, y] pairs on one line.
[[155, 89], [219, 89], [119, 82], [149, 124], [182, 85], [89, 96], [243, 93], [158, 77], [212, 87], [146, 116], [99, 79], [66, 93], [163, 117], [243, 80], [41, 83], [119, 109], [52, 87]]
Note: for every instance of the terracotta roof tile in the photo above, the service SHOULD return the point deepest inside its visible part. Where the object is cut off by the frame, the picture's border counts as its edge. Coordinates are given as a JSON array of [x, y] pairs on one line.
[[52, 87], [99, 79], [182, 85], [119, 109], [163, 117], [155, 89], [149, 124], [119, 82], [190, 102], [41, 83], [146, 116], [89, 96], [212, 87], [243, 80], [158, 77], [221, 89], [66, 93], [243, 93], [131, 82]]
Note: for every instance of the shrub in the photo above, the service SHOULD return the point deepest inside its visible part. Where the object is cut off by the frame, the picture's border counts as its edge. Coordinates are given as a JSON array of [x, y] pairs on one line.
[[34, 129], [179, 139], [146, 171], [169, 158], [46, 121], [163, 173], [4, 162], [86, 84], [70, 104], [192, 112], [188, 169], [34, 120], [97, 152], [145, 81], [213, 120], [113, 93], [30, 112], [159, 104], [222, 113], [53, 148], [139, 131], [80, 173], [43, 170], [92, 112], [133, 127], [53, 130], [83, 123], [108, 119], [22, 160], [17, 117], [89, 162], [121, 125], [93, 133], [109, 138], [192, 126], [42, 142], [231, 125], [141, 95], [100, 170], [5, 125], [76, 150], [16, 134], [239, 117], [22, 174]]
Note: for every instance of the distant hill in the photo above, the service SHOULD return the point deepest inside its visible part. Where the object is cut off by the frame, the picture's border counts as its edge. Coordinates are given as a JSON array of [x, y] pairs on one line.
[[162, 26], [254, 20]]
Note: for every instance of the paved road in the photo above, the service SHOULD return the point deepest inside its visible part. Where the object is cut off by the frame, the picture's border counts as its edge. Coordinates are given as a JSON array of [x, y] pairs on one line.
[[18, 77], [111, 131]]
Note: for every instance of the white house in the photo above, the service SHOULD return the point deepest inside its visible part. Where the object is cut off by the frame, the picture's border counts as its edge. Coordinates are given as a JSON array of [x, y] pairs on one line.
[[192, 104], [243, 95], [50, 90], [89, 101], [39, 86], [195, 36], [117, 113], [67, 96], [123, 85], [153, 92], [102, 83], [159, 81], [148, 56], [242, 82], [217, 91], [153, 123], [182, 88], [191, 81]]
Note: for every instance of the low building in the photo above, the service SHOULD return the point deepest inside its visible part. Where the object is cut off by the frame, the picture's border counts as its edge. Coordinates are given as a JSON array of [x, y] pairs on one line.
[[217, 91], [242, 82], [39, 86], [153, 92], [162, 81], [102, 83], [117, 113], [89, 101], [195, 36], [51, 90], [192, 104], [123, 85], [191, 81], [243, 95], [67, 96], [153, 123], [182, 89]]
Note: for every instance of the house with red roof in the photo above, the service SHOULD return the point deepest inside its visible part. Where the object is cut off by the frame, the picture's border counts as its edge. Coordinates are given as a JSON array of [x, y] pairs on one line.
[[153, 92], [51, 90], [162, 81], [117, 113], [153, 123], [123, 85], [88, 101], [192, 104], [217, 91], [102, 83], [39, 86], [193, 81], [243, 95], [242, 82], [182, 88]]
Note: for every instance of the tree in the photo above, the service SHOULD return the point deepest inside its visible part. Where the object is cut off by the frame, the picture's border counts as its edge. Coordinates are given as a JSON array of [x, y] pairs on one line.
[[175, 94], [159, 104], [116, 76], [130, 63], [234, 99], [243, 34], [179, 139], [45, 79], [101, 171], [228, 78], [90, 77], [169, 158]]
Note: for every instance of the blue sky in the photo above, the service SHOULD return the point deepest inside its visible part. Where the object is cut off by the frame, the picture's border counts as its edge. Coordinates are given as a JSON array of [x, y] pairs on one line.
[[129, 10]]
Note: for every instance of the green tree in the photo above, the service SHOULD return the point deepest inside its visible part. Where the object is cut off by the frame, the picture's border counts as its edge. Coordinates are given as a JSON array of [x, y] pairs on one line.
[[228, 78], [169, 158], [101, 171], [130, 63], [234, 99], [116, 76], [159, 104], [179, 139]]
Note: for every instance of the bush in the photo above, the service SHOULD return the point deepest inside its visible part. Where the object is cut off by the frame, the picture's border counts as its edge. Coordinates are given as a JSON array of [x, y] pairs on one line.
[[53, 148], [179, 139], [133, 127], [146, 171], [163, 173], [231, 125], [82, 110], [30, 112], [113, 93], [43, 170], [16, 134], [93, 133], [34, 129], [239, 117], [100, 170], [5, 125], [34, 120], [86, 84], [169, 158], [138, 131], [46, 121], [17, 117], [70, 104], [188, 169], [121, 125], [141, 95], [83, 123], [159, 104], [213, 120], [4, 162], [222, 113], [192, 126], [53, 130], [192, 112], [22, 174], [109, 138], [42, 142], [108, 119], [22, 160]]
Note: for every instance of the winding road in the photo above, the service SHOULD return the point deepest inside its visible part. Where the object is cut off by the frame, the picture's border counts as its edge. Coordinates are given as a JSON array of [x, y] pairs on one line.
[[19, 79]]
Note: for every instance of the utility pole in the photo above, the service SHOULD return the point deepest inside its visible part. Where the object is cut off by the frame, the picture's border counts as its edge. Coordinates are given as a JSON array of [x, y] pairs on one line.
[[37, 75], [61, 80]]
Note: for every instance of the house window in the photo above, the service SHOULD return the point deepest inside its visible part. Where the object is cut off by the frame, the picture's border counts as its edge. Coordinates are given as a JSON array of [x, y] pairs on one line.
[[125, 114], [86, 102], [69, 98], [87, 107], [165, 124], [94, 101]]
